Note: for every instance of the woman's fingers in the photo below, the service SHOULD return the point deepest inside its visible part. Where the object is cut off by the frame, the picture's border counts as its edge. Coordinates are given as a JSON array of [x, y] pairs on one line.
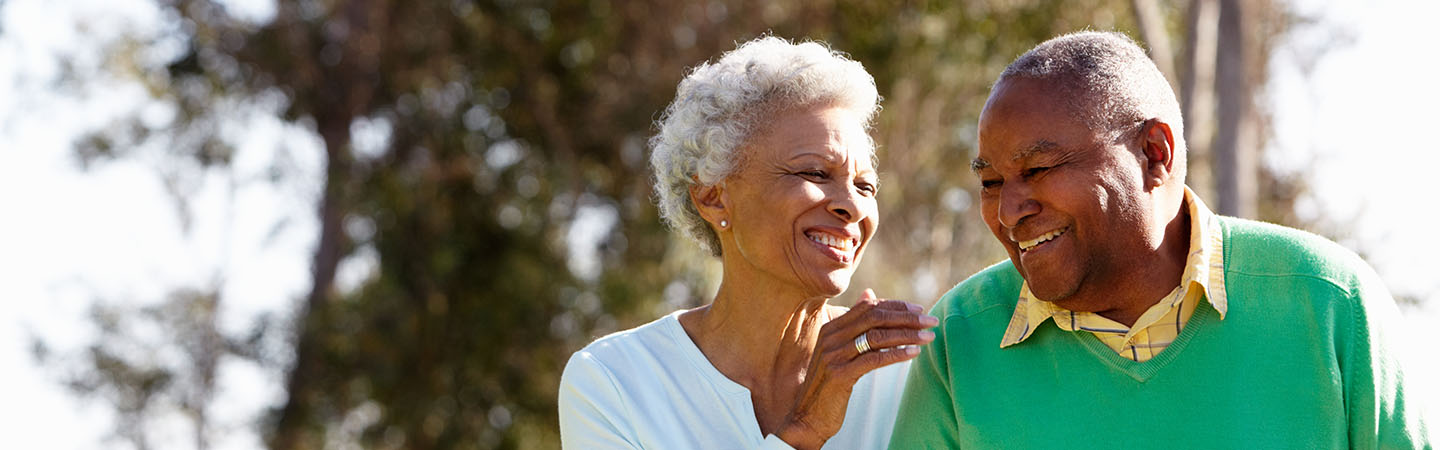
[[872, 360], [840, 338], [887, 313], [837, 331], [868, 294], [897, 305], [860, 364], [886, 338], [867, 302], [886, 318], [872, 334]]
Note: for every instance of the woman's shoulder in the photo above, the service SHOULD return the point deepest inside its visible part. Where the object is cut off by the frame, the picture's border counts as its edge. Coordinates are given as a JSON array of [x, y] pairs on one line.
[[643, 337], [630, 380], [639, 348], [606, 387]]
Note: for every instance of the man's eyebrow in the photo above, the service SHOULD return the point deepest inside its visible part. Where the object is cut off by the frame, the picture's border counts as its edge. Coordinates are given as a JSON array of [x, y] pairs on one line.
[[979, 164], [1040, 146]]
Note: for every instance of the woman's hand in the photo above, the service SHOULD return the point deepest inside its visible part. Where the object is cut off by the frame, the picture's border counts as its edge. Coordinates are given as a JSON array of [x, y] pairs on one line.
[[893, 329]]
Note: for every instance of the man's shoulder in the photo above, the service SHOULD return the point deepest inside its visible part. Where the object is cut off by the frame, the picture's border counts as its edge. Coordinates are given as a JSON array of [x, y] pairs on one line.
[[993, 287], [1264, 249]]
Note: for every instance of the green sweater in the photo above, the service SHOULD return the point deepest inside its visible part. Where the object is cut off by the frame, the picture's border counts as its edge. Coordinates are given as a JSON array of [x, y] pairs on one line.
[[1302, 359]]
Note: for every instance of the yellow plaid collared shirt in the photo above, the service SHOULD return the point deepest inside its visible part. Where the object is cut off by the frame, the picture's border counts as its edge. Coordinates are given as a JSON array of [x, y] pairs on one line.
[[1204, 278]]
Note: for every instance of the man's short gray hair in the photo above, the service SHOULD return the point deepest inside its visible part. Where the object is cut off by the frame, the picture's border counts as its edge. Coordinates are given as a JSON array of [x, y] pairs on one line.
[[1110, 83], [719, 104]]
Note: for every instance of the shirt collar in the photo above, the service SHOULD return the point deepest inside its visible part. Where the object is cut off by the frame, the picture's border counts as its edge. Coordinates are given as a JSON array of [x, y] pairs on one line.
[[1204, 269]]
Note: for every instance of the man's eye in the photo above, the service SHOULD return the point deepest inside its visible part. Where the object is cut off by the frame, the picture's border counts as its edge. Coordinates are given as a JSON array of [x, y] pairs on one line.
[[1035, 171], [867, 188], [989, 185], [812, 173]]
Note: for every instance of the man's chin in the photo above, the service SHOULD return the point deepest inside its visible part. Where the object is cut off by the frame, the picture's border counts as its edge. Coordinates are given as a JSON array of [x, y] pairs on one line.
[[1051, 292]]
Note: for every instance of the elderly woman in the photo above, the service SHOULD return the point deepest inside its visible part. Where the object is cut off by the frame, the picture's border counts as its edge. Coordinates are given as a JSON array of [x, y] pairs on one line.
[[764, 160]]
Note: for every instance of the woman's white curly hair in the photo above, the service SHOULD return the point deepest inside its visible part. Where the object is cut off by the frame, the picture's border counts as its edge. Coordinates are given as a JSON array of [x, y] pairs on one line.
[[720, 103]]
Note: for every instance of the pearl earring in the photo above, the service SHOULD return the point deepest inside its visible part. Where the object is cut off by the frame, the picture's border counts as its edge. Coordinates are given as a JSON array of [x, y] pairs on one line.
[[724, 223]]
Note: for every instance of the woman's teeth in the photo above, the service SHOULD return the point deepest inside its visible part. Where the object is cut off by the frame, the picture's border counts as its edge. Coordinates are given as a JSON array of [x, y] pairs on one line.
[[839, 243], [1025, 246]]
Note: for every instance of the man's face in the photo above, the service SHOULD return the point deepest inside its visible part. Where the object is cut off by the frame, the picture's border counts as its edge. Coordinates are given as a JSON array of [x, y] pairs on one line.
[[1064, 200]]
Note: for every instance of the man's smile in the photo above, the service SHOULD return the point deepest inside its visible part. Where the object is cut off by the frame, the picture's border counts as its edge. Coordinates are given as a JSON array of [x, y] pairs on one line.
[[1029, 244]]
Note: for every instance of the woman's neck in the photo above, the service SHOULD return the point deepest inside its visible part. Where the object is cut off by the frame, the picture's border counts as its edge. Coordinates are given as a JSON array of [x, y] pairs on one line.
[[754, 335], [762, 339], [758, 329]]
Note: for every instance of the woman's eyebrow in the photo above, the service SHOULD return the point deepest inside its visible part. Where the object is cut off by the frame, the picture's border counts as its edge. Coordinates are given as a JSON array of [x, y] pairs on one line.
[[824, 156]]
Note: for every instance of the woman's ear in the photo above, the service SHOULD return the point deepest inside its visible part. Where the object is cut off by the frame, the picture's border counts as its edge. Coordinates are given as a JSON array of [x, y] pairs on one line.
[[711, 201], [1157, 144]]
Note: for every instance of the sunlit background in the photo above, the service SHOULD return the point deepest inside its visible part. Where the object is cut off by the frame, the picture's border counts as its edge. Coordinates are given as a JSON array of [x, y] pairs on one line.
[[161, 184]]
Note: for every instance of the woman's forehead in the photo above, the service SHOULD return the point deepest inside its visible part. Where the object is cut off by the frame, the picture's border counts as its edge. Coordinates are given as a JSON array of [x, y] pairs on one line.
[[834, 135]]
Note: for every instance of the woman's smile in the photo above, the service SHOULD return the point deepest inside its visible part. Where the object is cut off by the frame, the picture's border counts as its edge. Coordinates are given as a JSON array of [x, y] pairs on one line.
[[839, 248]]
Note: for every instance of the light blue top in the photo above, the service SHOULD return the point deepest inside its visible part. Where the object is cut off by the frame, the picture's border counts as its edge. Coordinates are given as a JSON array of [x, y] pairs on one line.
[[651, 387]]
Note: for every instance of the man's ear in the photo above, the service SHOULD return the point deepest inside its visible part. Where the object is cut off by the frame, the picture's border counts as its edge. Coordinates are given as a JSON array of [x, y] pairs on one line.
[[712, 203], [1157, 145]]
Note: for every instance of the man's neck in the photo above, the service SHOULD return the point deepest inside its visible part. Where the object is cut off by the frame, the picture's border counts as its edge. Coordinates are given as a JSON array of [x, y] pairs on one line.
[[1157, 274]]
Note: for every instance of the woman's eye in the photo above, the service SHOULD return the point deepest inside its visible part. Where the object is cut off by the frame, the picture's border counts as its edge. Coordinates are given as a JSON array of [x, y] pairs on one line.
[[867, 188]]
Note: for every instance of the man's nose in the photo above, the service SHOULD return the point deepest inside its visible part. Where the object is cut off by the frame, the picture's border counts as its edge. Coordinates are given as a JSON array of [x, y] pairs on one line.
[[1016, 203]]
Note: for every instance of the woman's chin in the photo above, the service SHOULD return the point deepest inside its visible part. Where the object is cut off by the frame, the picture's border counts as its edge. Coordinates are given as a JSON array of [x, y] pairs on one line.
[[833, 284]]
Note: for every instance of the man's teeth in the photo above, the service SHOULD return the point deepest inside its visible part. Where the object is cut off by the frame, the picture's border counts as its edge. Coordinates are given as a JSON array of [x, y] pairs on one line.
[[1027, 245], [842, 244]]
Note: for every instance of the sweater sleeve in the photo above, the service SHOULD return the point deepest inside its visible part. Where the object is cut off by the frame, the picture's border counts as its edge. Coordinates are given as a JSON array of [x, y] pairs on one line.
[[927, 409], [592, 411], [1374, 374]]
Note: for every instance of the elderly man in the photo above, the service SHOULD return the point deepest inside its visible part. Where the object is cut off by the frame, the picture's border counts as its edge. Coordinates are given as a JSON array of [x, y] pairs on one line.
[[1130, 316]]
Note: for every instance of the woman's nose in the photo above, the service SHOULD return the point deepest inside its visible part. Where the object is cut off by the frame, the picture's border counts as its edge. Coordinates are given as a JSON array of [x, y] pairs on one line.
[[845, 204]]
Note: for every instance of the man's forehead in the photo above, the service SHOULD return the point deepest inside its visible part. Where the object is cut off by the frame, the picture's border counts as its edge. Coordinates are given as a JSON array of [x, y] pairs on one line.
[[1048, 89], [1021, 98]]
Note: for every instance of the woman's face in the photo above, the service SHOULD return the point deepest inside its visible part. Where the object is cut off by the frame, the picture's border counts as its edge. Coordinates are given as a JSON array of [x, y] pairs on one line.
[[802, 202]]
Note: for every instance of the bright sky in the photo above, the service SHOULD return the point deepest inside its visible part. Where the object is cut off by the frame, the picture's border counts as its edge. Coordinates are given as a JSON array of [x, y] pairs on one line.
[[1363, 120], [1360, 120], [71, 237]]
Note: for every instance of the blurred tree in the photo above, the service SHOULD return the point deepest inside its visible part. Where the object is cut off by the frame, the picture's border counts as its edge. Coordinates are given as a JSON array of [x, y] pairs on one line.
[[153, 362], [489, 158], [1227, 46]]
